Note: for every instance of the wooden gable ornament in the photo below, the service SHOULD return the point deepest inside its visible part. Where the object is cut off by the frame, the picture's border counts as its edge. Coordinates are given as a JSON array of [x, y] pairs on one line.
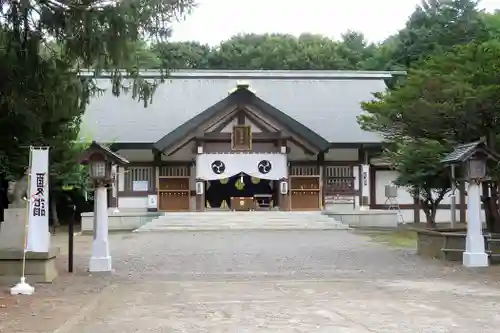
[[241, 138]]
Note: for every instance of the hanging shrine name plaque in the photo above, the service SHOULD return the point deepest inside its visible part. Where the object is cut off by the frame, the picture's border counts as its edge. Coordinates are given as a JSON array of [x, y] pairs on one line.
[[241, 138]]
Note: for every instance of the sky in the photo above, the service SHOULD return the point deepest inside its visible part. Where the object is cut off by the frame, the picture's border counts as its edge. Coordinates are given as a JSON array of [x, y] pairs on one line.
[[216, 20]]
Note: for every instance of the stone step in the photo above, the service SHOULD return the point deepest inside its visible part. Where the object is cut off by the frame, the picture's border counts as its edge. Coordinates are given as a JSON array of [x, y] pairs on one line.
[[242, 221], [256, 216], [239, 220], [235, 221], [207, 227], [159, 223], [218, 227], [231, 216]]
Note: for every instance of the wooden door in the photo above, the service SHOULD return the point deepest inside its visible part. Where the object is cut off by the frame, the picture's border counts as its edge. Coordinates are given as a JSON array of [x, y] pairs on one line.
[[173, 194], [305, 192]]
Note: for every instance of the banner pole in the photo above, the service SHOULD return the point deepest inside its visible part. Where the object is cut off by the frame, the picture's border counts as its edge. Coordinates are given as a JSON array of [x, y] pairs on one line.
[[27, 216], [22, 288]]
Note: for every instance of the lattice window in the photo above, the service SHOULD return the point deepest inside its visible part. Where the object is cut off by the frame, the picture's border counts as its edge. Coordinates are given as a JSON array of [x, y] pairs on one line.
[[310, 170], [339, 180], [135, 178], [175, 171]]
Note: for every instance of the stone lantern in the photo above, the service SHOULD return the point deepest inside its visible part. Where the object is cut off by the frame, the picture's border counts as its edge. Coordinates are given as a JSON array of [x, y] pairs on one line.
[[101, 162], [473, 157]]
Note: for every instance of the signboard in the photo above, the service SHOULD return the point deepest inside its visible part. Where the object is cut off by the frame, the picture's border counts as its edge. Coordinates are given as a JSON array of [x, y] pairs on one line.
[[152, 201], [241, 138], [140, 186], [38, 239]]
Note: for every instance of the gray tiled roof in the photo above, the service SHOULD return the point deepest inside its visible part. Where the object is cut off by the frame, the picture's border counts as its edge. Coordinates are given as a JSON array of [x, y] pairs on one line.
[[94, 146], [327, 102], [461, 152]]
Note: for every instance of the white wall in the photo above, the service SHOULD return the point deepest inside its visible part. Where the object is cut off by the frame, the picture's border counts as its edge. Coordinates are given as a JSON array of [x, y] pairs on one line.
[[133, 203], [136, 155], [386, 177], [344, 154]]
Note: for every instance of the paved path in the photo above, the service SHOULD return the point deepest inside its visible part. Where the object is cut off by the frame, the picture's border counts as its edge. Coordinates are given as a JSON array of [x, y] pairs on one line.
[[262, 281]]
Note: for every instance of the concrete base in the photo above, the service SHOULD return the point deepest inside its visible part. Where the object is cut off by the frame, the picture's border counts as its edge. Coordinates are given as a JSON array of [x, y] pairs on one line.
[[102, 264], [40, 267], [475, 259], [122, 221], [12, 230], [366, 218], [22, 288]]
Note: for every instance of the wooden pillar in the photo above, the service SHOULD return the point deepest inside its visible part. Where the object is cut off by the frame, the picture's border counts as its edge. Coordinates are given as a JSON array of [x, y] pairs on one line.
[[372, 189], [416, 210], [463, 202], [113, 190], [321, 169], [113, 195]]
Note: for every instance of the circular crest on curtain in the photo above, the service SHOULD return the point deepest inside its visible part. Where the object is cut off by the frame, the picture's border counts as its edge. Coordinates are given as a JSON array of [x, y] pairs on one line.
[[255, 180], [218, 167], [224, 181], [264, 167]]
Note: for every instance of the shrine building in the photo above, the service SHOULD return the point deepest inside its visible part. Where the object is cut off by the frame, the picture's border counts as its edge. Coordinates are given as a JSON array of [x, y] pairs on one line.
[[222, 140]]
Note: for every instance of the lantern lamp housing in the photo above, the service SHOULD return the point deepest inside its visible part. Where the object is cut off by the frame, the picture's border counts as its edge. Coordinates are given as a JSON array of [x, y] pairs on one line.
[[476, 168]]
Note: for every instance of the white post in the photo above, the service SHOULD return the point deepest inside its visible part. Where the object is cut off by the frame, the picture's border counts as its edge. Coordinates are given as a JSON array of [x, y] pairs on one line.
[[357, 183], [100, 261], [474, 255], [365, 182]]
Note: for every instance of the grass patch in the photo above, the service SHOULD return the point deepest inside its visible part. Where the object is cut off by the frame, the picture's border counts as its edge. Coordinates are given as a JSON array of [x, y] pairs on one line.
[[397, 238]]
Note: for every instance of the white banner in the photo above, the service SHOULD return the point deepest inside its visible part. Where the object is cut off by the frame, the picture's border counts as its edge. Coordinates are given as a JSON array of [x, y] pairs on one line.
[[221, 166], [38, 238]]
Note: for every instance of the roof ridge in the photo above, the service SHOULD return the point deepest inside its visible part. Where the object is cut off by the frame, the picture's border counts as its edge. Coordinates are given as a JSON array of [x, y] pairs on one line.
[[259, 74]]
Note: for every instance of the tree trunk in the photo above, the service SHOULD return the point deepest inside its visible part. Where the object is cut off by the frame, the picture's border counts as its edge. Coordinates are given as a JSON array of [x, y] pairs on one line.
[[495, 215], [55, 217], [430, 211], [487, 212], [490, 190]]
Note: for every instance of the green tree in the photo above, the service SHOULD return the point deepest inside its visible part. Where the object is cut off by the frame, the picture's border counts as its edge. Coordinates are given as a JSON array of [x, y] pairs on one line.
[[421, 173], [40, 86], [449, 98], [44, 46], [271, 52], [356, 51], [438, 26], [492, 23], [183, 55]]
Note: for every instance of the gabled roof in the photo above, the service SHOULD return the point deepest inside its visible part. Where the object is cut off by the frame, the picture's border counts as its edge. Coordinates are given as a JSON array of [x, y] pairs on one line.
[[463, 152], [326, 102], [242, 95], [110, 155]]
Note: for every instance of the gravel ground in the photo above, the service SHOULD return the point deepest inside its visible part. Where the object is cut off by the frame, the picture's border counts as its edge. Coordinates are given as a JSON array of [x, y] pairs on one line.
[[257, 281]]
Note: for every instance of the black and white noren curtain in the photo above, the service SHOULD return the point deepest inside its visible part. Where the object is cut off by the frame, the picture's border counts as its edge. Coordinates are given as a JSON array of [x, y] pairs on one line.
[[221, 166]]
